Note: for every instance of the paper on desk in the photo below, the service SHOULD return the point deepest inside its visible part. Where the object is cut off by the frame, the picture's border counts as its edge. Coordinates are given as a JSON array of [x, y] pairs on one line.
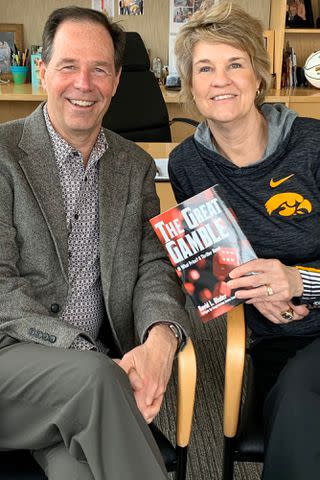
[[162, 168]]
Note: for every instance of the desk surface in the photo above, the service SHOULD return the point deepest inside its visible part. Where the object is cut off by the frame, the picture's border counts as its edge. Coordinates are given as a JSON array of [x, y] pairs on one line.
[[164, 190], [157, 150], [24, 93]]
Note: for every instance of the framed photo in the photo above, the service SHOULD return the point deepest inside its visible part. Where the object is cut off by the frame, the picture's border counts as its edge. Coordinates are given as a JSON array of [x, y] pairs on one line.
[[131, 7], [11, 34], [318, 16], [268, 36], [299, 14]]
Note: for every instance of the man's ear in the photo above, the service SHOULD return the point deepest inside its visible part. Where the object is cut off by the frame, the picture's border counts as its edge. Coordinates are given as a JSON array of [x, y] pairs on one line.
[[116, 81], [43, 71]]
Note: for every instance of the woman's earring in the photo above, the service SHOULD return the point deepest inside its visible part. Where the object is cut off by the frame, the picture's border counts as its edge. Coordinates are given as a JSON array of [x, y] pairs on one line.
[[258, 92]]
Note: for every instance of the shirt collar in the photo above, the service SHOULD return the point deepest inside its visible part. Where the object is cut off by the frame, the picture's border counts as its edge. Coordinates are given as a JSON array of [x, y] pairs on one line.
[[63, 150]]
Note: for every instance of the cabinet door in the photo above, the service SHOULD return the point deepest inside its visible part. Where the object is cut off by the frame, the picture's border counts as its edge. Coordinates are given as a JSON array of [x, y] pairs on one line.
[[305, 109]]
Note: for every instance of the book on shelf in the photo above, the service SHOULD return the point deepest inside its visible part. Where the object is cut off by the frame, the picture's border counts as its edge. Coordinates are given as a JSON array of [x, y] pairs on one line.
[[289, 68], [35, 62], [204, 242]]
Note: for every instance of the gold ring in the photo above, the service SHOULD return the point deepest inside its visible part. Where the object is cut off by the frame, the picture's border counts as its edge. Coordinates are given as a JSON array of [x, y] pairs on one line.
[[287, 315], [269, 290]]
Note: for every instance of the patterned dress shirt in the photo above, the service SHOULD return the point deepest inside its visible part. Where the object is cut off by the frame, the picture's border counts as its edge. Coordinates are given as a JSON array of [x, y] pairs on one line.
[[84, 307]]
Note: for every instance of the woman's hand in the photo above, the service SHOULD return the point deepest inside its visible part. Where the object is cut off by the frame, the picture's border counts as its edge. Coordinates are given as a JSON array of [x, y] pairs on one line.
[[273, 311], [265, 280]]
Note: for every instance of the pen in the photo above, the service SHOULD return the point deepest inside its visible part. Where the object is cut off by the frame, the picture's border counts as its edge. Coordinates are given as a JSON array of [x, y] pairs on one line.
[[20, 58]]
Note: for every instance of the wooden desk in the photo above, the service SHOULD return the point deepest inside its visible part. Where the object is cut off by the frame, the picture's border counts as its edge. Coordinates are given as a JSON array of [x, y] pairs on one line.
[[305, 101], [157, 150], [164, 190], [17, 101]]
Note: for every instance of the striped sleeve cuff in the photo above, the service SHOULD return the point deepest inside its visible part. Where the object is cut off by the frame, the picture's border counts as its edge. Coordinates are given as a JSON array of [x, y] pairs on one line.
[[311, 286]]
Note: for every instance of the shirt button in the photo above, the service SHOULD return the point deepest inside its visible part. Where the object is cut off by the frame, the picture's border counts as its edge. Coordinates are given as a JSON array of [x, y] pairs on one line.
[[55, 307]]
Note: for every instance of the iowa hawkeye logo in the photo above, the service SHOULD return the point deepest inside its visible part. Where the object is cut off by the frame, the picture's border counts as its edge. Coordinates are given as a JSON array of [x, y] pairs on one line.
[[287, 204]]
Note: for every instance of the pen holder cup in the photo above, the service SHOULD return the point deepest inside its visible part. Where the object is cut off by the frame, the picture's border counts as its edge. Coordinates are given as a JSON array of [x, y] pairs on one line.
[[19, 74]]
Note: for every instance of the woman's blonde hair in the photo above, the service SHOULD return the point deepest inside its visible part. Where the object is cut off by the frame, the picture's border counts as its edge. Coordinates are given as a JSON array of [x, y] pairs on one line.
[[222, 22]]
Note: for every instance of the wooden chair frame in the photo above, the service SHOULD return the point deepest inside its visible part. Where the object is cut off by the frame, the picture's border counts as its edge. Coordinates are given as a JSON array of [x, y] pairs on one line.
[[187, 377], [234, 373]]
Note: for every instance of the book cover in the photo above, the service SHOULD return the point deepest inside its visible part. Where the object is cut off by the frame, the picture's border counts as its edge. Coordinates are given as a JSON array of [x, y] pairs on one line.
[[35, 69], [204, 243]]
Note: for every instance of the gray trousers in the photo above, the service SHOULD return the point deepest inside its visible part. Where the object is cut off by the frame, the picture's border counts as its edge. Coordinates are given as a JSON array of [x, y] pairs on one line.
[[75, 410]]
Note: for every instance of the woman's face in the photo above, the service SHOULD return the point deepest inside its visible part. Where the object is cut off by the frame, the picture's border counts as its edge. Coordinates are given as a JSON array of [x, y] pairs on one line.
[[224, 84]]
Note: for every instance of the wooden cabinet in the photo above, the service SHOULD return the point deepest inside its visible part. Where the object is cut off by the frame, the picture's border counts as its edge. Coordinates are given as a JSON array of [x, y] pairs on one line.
[[17, 101], [304, 41], [164, 189]]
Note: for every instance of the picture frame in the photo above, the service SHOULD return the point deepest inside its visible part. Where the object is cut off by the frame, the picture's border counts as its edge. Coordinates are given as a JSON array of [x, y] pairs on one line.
[[317, 23], [131, 7], [268, 36], [299, 14], [11, 34]]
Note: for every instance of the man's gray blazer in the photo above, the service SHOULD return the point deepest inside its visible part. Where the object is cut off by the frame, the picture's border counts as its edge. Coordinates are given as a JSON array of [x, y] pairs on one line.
[[139, 285]]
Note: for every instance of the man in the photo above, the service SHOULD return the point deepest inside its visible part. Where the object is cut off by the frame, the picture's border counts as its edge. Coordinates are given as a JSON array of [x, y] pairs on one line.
[[82, 275]]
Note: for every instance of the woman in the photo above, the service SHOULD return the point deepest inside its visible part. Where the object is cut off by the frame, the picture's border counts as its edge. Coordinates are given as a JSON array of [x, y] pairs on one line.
[[268, 162], [301, 9]]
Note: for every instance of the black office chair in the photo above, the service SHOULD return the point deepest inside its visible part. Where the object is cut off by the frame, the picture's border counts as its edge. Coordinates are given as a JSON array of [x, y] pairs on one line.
[[20, 465], [243, 434], [138, 111]]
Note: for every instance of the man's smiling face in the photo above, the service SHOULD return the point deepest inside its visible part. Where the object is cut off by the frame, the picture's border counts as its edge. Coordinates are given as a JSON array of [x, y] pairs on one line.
[[80, 78]]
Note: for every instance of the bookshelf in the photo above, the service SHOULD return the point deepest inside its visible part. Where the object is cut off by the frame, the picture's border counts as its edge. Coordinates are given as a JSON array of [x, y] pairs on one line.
[[304, 40], [269, 42]]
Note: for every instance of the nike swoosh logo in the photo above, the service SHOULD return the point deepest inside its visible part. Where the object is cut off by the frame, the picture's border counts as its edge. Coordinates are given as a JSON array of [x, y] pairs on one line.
[[276, 183]]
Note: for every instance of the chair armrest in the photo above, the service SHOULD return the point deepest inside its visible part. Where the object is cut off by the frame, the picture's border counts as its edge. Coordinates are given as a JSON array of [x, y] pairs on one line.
[[190, 121], [187, 376], [234, 369]]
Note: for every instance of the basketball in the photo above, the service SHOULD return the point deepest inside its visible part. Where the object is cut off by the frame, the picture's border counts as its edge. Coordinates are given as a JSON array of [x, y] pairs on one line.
[[312, 69]]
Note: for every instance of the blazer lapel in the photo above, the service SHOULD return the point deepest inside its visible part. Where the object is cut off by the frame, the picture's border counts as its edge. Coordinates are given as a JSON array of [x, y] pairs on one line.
[[39, 167], [114, 174]]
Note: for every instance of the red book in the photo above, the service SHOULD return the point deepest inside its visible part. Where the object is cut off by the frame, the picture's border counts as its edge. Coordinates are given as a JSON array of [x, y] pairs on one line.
[[204, 243]]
